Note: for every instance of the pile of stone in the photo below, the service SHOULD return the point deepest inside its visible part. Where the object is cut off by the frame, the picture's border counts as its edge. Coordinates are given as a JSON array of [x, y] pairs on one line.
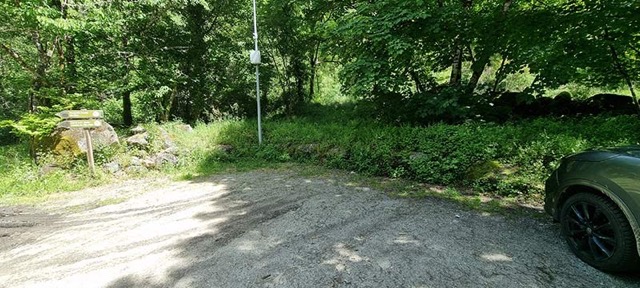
[[141, 140], [151, 151]]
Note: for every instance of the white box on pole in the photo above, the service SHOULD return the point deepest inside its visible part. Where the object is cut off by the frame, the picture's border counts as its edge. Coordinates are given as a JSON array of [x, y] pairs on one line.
[[255, 57]]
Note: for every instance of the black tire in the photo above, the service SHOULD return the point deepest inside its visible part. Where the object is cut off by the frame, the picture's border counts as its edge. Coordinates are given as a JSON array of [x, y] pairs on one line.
[[599, 234]]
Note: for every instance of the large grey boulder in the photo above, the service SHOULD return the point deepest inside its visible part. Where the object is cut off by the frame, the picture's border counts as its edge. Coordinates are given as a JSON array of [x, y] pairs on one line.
[[73, 141]]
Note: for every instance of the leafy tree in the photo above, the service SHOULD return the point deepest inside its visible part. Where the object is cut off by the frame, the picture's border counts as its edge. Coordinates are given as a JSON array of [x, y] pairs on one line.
[[592, 42], [295, 36]]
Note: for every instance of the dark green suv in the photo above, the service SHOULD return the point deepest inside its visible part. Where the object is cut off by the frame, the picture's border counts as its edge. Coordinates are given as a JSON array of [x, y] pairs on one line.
[[595, 195]]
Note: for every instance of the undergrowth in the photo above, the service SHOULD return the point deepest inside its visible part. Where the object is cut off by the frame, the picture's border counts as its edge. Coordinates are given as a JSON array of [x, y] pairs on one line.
[[507, 160], [510, 160]]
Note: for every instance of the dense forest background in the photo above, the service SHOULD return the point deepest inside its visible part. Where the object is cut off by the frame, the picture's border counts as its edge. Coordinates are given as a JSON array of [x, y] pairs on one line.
[[413, 62]]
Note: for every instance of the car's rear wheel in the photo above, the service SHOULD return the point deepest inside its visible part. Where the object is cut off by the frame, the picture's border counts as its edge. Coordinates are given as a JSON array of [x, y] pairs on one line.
[[598, 233]]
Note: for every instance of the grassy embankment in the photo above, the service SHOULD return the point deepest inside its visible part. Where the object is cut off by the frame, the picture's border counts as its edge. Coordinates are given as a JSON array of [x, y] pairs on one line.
[[475, 160]]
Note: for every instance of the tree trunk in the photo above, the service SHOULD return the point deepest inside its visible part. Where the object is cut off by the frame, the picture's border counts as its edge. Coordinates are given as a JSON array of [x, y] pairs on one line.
[[16, 57], [314, 66], [481, 63], [456, 67], [475, 78], [68, 59], [300, 90], [167, 103], [621, 69], [312, 80], [195, 65], [297, 68], [499, 74], [416, 79], [127, 115], [264, 100], [625, 75], [41, 69]]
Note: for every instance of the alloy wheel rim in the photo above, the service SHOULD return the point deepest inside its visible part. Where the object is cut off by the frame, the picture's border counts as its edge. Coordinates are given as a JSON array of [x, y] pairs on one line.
[[590, 231]]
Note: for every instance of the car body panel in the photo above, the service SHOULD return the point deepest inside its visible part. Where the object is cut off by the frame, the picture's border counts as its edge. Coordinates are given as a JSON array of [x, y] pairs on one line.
[[613, 172]]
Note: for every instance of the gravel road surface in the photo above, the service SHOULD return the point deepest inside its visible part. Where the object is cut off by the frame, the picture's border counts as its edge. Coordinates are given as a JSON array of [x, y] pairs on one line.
[[278, 229]]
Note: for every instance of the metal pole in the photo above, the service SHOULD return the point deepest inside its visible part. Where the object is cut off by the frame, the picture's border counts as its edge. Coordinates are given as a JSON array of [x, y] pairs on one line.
[[255, 24], [258, 97], [255, 37]]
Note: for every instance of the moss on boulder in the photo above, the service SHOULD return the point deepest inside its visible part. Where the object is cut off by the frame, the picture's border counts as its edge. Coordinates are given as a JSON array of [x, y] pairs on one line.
[[72, 142]]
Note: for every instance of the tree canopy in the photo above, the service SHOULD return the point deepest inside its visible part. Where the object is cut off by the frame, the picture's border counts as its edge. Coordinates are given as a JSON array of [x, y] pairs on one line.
[[187, 60]]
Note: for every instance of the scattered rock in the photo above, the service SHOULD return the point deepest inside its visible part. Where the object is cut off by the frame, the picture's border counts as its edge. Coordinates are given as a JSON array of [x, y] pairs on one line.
[[136, 169], [135, 161], [172, 150], [140, 140], [71, 142], [138, 129], [167, 143], [112, 167], [49, 168], [149, 162], [186, 128], [336, 153], [308, 148], [165, 158], [618, 104], [225, 148], [489, 169]]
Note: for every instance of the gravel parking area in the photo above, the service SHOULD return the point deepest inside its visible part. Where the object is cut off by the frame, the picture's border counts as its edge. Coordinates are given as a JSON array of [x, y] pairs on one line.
[[278, 229]]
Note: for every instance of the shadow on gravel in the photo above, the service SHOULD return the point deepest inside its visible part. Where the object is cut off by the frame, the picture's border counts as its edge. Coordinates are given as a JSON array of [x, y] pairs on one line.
[[631, 279], [237, 249], [243, 211]]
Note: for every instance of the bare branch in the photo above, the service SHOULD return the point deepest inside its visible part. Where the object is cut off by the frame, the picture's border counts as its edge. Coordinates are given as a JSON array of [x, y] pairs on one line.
[[13, 54]]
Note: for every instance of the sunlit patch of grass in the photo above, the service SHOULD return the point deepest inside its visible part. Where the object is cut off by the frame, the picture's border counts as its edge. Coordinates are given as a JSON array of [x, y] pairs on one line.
[[508, 206], [206, 168]]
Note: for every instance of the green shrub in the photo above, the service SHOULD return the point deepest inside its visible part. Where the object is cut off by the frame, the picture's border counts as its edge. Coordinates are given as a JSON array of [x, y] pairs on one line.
[[510, 159], [113, 111], [524, 153]]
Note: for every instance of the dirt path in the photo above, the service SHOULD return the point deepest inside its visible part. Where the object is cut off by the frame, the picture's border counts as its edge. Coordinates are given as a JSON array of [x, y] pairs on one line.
[[278, 229]]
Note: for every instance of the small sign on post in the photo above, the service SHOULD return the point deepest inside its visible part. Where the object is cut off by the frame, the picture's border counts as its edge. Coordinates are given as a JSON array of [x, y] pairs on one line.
[[81, 114], [87, 124], [86, 120]]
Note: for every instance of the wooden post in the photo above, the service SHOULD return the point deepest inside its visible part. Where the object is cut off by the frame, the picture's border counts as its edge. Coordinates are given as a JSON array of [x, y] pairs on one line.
[[87, 135], [85, 120]]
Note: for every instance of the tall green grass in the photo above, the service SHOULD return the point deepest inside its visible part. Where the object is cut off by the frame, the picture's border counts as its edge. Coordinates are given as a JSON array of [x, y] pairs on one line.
[[22, 180], [510, 159]]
